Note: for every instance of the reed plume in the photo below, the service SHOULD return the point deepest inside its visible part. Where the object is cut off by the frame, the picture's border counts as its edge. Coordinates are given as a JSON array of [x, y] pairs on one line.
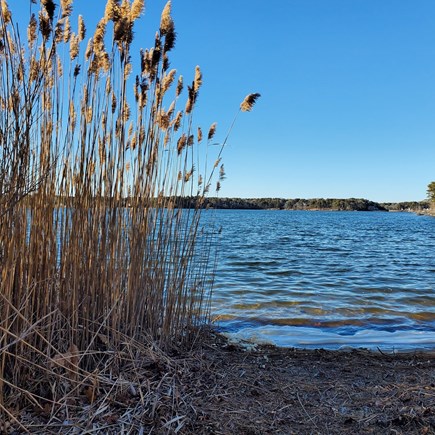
[[166, 19], [179, 86], [49, 7], [197, 81], [5, 12], [212, 131], [249, 102], [81, 29], [66, 6], [137, 9], [31, 31], [199, 135]]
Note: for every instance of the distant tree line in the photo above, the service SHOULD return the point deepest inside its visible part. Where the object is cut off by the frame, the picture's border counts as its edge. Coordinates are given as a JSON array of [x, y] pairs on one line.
[[351, 204], [336, 204]]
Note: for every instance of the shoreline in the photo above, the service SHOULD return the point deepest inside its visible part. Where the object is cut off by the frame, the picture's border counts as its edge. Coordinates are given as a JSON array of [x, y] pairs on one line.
[[251, 344], [221, 388]]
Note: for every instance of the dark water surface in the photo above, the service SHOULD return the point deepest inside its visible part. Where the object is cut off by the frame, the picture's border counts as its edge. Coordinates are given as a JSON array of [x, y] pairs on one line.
[[327, 279]]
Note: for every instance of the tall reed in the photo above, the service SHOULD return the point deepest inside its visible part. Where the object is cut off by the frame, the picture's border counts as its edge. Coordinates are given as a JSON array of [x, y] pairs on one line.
[[93, 162]]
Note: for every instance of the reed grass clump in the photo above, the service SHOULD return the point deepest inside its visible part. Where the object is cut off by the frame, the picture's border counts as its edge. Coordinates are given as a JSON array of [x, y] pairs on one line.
[[95, 254]]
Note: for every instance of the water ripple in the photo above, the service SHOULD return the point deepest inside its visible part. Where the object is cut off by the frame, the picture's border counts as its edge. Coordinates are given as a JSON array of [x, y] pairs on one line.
[[347, 274]]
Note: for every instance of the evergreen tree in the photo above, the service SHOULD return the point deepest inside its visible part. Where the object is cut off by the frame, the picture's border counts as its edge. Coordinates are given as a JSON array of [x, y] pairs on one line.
[[431, 191]]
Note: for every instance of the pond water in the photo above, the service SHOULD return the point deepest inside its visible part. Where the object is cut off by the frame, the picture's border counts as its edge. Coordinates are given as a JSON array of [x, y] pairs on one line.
[[326, 279]]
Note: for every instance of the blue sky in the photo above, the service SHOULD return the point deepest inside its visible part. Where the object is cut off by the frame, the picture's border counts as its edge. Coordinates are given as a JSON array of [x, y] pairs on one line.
[[348, 91]]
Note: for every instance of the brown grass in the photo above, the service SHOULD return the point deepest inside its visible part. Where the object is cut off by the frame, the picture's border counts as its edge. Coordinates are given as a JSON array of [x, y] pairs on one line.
[[95, 257], [223, 388]]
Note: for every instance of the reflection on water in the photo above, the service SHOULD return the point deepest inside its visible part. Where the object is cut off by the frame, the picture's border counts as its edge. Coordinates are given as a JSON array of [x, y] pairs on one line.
[[327, 279]]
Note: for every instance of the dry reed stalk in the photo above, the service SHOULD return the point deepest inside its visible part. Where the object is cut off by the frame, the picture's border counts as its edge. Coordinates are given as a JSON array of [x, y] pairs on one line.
[[95, 249]]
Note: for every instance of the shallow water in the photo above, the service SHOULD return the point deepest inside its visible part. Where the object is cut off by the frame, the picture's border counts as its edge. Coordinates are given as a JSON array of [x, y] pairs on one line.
[[326, 279]]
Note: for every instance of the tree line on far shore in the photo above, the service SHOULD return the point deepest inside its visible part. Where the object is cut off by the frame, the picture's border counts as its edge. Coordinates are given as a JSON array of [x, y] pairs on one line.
[[336, 204], [350, 204]]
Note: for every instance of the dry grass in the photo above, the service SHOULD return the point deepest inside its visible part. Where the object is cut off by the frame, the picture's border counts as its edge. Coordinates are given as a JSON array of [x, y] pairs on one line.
[[221, 388], [96, 258]]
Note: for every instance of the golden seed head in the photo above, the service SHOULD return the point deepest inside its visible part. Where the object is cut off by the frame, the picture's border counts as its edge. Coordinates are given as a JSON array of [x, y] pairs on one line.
[[98, 40], [49, 7], [104, 61], [212, 131], [191, 99], [31, 30], [181, 143], [171, 109], [46, 102], [126, 112], [189, 105], [133, 142], [89, 49], [67, 30], [166, 20], [58, 31], [114, 102], [125, 9], [66, 6], [179, 86], [112, 11], [248, 102], [199, 137], [34, 69], [137, 8], [163, 120], [108, 85], [82, 28], [127, 70], [59, 67], [198, 79], [5, 11], [188, 175], [143, 99], [177, 121], [123, 31], [85, 95], [74, 46], [167, 80], [20, 73], [44, 24]]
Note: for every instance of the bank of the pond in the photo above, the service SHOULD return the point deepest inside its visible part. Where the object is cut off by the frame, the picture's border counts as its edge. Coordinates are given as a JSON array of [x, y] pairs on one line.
[[223, 388]]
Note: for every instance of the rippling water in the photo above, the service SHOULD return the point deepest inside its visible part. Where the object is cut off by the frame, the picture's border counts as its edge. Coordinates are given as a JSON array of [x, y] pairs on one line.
[[327, 279]]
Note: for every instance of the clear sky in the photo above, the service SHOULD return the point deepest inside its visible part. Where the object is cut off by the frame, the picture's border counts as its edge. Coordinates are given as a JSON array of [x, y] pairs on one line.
[[348, 91]]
